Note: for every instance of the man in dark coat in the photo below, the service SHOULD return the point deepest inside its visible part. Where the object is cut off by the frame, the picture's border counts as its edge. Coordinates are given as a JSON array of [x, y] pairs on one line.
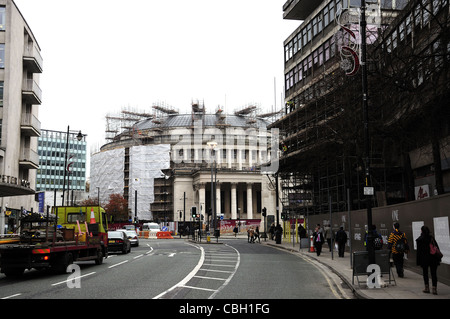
[[341, 239], [318, 240]]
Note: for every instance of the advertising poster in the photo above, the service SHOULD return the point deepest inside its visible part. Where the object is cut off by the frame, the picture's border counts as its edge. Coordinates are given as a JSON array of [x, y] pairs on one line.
[[416, 226], [441, 234]]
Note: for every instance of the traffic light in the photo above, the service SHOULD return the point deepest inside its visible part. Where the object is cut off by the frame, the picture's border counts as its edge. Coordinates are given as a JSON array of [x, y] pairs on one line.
[[194, 211], [264, 212]]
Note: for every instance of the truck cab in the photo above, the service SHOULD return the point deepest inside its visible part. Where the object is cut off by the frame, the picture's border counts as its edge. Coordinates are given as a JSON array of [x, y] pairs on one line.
[[78, 217]]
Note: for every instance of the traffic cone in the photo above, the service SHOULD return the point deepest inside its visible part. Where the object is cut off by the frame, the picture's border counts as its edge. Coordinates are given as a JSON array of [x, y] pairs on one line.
[[92, 221], [311, 248], [92, 217]]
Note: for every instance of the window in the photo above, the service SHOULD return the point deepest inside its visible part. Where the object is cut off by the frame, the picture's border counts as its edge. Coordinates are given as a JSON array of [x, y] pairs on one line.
[[436, 6], [315, 26], [295, 45], [327, 50], [299, 41], [2, 55], [401, 31], [2, 18], [319, 22], [309, 31], [426, 11], [394, 39], [1, 93], [316, 57], [409, 24], [321, 55], [326, 16], [417, 16]]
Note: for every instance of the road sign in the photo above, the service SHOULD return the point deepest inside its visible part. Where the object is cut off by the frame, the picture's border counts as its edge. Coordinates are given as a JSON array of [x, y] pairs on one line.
[[165, 228]]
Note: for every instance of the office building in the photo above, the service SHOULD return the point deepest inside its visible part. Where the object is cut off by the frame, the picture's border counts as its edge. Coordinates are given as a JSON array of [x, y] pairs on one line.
[[20, 97]]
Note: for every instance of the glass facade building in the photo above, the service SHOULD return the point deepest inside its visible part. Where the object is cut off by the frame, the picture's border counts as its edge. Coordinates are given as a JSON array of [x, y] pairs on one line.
[[52, 150]]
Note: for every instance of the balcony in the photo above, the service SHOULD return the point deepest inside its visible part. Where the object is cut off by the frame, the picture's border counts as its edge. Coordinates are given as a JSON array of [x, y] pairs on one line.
[[299, 9], [29, 159], [30, 125], [32, 59], [31, 92]]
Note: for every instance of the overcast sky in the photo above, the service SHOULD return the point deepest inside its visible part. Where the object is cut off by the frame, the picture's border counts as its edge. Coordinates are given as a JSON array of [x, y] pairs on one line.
[[103, 55]]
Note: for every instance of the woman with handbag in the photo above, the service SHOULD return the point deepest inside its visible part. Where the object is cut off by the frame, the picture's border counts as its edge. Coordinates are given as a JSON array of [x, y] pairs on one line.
[[426, 259]]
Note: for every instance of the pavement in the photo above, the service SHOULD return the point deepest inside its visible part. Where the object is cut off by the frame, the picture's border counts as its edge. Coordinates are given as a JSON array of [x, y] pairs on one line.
[[408, 287]]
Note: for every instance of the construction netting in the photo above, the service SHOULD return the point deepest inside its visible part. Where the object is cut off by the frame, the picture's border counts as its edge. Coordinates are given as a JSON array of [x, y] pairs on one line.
[[145, 163]]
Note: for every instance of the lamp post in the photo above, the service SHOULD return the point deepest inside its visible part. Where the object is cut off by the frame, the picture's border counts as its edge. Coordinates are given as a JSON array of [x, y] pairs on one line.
[[368, 189], [79, 138], [212, 145]]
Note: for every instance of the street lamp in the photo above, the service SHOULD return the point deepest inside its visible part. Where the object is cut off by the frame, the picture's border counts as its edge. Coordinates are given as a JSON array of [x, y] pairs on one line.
[[212, 145], [368, 189], [79, 138]]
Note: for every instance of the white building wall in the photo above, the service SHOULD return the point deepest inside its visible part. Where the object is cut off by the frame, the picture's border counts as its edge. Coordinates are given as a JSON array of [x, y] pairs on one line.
[[146, 163], [107, 173]]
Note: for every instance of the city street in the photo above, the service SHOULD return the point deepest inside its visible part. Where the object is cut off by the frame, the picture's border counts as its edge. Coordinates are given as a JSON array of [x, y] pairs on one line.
[[183, 269]]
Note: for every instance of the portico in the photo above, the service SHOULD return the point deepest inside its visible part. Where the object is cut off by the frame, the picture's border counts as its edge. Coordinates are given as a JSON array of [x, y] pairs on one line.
[[235, 199]]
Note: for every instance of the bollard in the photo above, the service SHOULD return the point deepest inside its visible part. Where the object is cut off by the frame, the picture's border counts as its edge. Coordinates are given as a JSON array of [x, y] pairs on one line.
[[311, 248]]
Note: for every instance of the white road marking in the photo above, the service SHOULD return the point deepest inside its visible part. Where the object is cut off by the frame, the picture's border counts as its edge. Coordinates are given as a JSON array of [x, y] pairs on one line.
[[190, 275], [71, 279], [122, 262], [12, 296]]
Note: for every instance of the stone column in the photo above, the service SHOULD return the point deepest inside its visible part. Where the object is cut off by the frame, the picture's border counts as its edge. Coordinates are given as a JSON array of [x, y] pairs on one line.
[[249, 201], [201, 200], [233, 201], [218, 204]]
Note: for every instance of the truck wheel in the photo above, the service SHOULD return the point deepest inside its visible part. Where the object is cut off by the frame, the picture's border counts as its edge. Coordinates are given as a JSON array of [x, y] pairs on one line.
[[99, 259]]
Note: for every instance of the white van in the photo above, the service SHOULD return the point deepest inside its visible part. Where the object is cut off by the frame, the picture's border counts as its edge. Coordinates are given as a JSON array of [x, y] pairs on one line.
[[152, 227]]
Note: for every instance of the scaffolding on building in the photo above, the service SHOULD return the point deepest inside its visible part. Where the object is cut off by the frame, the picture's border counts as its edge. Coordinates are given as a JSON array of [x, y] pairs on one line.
[[123, 123]]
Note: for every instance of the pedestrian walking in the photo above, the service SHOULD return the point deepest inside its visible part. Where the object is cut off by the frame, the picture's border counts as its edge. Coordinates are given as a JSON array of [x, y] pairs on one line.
[[257, 234], [272, 231], [328, 233], [250, 235], [341, 240], [302, 231], [426, 259], [377, 239], [278, 233], [235, 230], [398, 245], [318, 240]]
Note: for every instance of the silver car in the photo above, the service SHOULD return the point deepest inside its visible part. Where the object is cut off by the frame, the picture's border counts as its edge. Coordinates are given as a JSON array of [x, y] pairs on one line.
[[132, 236]]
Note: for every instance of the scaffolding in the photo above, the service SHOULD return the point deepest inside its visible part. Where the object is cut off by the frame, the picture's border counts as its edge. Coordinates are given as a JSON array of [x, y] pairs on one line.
[[123, 123]]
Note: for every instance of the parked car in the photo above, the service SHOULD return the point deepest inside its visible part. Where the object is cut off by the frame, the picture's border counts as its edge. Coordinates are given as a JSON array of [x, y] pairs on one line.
[[130, 227], [118, 241], [132, 236]]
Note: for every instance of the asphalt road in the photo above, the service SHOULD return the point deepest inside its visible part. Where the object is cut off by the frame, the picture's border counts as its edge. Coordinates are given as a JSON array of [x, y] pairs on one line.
[[180, 269]]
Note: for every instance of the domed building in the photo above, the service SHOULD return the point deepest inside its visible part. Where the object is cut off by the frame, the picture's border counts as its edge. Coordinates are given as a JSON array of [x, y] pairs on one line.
[[167, 164]]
